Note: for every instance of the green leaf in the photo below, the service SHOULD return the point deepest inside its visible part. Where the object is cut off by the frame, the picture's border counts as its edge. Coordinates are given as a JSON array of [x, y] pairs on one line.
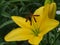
[[2, 43], [6, 23], [10, 43], [17, 0], [58, 17], [5, 14]]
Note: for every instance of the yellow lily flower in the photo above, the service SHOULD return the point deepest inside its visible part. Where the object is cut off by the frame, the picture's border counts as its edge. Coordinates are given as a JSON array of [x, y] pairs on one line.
[[33, 33], [52, 10]]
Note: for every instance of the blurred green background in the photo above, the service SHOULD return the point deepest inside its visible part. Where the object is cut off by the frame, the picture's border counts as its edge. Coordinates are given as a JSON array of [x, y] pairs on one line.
[[22, 8]]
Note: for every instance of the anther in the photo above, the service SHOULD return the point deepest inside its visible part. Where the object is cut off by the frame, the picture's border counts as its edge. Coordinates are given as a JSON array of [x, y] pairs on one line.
[[29, 17]]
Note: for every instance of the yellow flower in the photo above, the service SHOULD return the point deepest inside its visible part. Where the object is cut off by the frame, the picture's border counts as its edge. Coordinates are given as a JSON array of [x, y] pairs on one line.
[[52, 10], [33, 33]]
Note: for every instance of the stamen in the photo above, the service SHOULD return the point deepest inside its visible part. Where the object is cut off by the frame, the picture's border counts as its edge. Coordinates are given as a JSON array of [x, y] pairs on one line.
[[36, 15], [29, 17], [34, 19]]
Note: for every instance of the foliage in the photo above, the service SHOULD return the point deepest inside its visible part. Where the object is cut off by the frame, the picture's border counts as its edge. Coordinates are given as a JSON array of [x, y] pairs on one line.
[[23, 8]]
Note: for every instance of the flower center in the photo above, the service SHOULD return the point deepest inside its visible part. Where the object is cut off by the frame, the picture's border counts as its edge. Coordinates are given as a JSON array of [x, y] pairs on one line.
[[36, 31], [30, 18]]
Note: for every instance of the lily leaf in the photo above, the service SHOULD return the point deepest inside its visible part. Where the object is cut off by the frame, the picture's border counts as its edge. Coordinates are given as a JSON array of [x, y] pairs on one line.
[[6, 23]]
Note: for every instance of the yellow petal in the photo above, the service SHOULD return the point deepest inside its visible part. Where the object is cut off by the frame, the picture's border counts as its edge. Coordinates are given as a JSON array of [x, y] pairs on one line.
[[35, 44], [52, 10], [39, 12], [18, 34], [48, 25], [43, 12], [21, 21], [35, 39]]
